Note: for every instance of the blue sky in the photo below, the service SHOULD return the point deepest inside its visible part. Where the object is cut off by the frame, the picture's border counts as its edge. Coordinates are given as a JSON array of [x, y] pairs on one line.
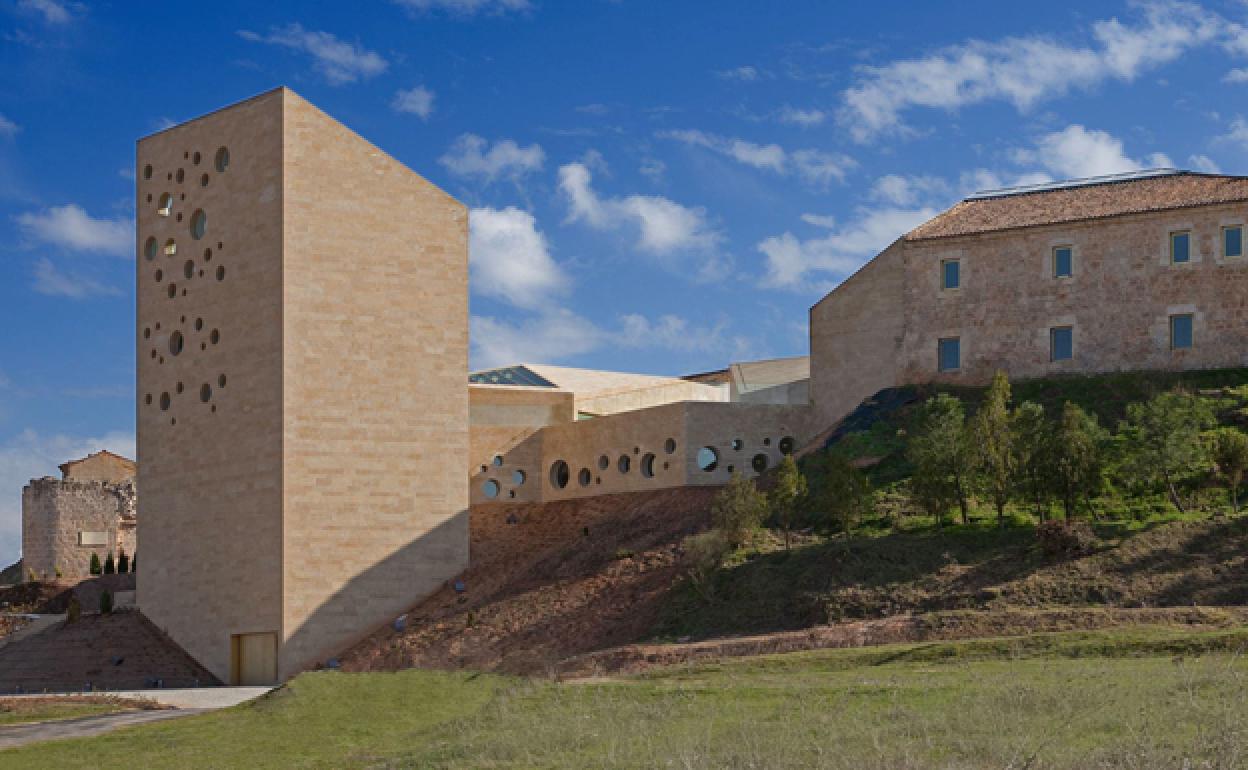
[[655, 186]]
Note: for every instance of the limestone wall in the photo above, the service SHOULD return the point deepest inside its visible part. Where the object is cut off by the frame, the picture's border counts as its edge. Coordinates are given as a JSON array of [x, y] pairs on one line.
[[64, 522]]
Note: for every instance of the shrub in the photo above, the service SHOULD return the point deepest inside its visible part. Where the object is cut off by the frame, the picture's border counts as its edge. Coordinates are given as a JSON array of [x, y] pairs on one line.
[[74, 610], [123, 562], [704, 554], [95, 563], [58, 572], [1064, 539], [34, 578], [738, 510], [110, 566], [1228, 448], [106, 602], [839, 494]]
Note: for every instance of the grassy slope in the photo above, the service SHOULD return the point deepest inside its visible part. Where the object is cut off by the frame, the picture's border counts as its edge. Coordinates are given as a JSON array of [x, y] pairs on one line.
[[989, 703], [25, 710]]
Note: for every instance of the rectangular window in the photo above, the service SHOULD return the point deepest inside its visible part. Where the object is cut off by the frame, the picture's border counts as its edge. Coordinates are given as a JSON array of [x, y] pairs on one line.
[[1233, 241], [1063, 262], [949, 274], [1181, 331], [949, 354], [1061, 343], [1180, 247]]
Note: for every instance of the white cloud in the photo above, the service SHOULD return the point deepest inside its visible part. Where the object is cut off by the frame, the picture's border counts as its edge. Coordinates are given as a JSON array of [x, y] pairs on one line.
[[840, 252], [815, 166], [1237, 133], [1076, 152], [468, 157], [746, 74], [31, 455], [416, 101], [467, 7], [1203, 163], [664, 226], [7, 127], [900, 190], [52, 12], [1238, 75], [71, 227], [1026, 70], [510, 258], [339, 61], [653, 168], [799, 117], [52, 281]]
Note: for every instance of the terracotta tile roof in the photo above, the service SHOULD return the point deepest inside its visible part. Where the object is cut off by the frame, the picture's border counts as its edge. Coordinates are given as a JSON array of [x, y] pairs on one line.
[[1076, 202]]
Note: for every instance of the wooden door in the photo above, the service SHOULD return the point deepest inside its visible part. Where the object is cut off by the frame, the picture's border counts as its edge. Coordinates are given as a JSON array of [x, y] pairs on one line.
[[253, 659]]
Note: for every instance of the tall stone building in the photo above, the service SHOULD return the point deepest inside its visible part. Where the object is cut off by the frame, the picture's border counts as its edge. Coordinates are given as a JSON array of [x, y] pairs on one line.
[[302, 413], [1132, 272]]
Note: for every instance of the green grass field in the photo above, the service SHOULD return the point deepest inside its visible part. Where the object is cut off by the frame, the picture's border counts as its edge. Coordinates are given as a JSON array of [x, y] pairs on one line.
[[24, 710], [1143, 698]]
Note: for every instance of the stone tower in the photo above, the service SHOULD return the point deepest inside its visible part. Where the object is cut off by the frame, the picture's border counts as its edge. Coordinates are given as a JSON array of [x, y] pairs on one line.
[[302, 339]]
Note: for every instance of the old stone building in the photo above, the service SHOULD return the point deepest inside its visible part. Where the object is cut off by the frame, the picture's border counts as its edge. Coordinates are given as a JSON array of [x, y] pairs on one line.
[[89, 510], [1138, 271]]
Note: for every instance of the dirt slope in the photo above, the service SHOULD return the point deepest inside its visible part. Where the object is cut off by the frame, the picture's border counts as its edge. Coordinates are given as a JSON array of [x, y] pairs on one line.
[[548, 581]]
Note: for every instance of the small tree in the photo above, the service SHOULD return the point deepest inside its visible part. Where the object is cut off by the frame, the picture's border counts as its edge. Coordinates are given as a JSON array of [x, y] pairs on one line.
[[34, 576], [789, 491], [1077, 457], [704, 553], [1163, 439], [95, 564], [941, 453], [738, 510], [110, 567], [838, 494], [123, 562], [994, 444], [1032, 448], [106, 602], [1228, 448]]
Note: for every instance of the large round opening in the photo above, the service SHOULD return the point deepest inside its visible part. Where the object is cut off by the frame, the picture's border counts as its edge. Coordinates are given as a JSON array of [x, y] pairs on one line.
[[490, 488], [165, 207], [205, 392], [759, 463], [584, 477], [222, 161], [151, 248], [787, 445], [625, 462], [669, 446], [604, 462], [559, 474], [708, 459], [647, 465], [175, 343], [738, 444], [518, 477], [199, 224]]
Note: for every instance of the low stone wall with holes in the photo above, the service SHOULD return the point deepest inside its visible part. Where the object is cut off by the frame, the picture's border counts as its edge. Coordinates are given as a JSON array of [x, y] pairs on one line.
[[64, 522], [674, 445]]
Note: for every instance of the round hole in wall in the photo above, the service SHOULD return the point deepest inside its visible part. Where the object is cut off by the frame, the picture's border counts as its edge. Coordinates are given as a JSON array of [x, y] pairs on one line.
[[186, 154], [147, 333], [738, 444], [188, 269], [179, 217], [490, 488], [598, 479], [199, 224], [220, 272], [214, 408], [160, 276], [171, 247], [184, 292], [584, 477], [222, 160], [498, 461], [759, 463], [153, 353], [647, 465], [766, 442], [175, 343], [203, 181], [708, 458], [196, 158], [158, 326], [731, 469], [173, 290], [147, 171], [169, 176], [165, 207], [669, 446], [636, 450], [511, 493], [151, 248], [221, 381], [165, 401], [160, 360], [559, 474], [173, 420], [199, 324], [214, 337], [604, 462], [625, 462], [179, 388], [183, 319], [205, 392], [181, 197], [201, 273], [518, 477], [787, 445], [181, 175], [220, 245], [207, 255], [148, 399], [203, 346]]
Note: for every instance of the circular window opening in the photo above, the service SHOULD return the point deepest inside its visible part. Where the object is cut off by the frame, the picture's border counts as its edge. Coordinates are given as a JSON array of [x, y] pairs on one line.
[[207, 255], [171, 247], [584, 477], [787, 445], [498, 460], [220, 273], [189, 269], [173, 290], [205, 392], [196, 158], [625, 462], [766, 442], [708, 459], [559, 474], [669, 446], [518, 477], [759, 463], [199, 224], [222, 161], [147, 333], [647, 465], [165, 401], [181, 176], [165, 208], [738, 444], [199, 324], [490, 488], [147, 171], [604, 462], [221, 381], [160, 276], [203, 181], [179, 388], [151, 248], [175, 343], [215, 337]]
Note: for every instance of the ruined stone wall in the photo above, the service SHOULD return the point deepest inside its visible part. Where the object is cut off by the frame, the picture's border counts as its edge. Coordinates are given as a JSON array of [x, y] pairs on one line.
[[64, 522], [101, 466]]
